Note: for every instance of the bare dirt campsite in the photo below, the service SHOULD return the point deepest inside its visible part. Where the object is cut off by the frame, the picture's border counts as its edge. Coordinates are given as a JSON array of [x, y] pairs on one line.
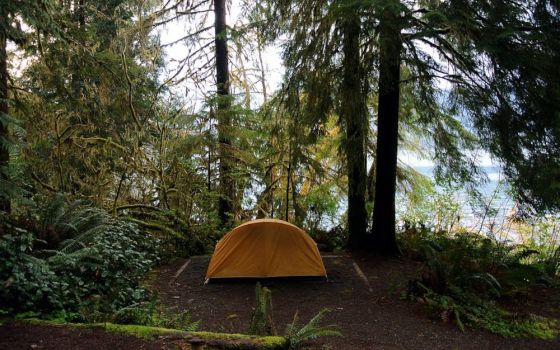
[[363, 294], [371, 314]]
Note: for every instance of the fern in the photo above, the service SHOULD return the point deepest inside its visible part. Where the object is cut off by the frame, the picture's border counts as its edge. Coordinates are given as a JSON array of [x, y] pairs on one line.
[[87, 253], [88, 236], [148, 314], [183, 321], [297, 337], [464, 275], [71, 223]]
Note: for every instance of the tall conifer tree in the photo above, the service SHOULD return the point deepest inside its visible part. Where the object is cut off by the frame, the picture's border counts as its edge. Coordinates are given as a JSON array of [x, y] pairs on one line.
[[227, 186]]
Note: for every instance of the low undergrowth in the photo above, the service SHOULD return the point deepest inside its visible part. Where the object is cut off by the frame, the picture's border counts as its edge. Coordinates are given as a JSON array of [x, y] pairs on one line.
[[99, 274], [465, 277], [154, 315], [70, 261], [296, 335], [67, 260]]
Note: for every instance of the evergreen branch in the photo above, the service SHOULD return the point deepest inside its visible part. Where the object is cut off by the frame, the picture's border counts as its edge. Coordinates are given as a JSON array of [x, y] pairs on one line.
[[129, 81]]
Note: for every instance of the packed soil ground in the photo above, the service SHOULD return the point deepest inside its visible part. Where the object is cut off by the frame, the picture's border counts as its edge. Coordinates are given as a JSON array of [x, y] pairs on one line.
[[364, 294], [370, 315], [19, 336]]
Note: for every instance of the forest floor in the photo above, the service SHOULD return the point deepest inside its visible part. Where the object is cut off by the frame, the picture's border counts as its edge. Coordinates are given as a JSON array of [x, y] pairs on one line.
[[364, 294], [20, 335], [370, 315]]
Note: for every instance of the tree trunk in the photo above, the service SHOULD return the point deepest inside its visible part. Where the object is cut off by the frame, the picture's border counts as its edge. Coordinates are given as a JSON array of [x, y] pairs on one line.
[[4, 153], [245, 82], [268, 199], [263, 73], [209, 169], [288, 178], [299, 212], [264, 199], [353, 114], [383, 228], [225, 202]]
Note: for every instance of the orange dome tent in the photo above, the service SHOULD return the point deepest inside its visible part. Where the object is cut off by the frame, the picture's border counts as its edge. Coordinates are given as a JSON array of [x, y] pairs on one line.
[[266, 248]]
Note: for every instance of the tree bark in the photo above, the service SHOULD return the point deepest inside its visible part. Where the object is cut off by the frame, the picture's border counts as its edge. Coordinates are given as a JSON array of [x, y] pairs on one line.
[[384, 239], [299, 212], [4, 152], [288, 178], [353, 114], [263, 73], [81, 13], [267, 207], [225, 202]]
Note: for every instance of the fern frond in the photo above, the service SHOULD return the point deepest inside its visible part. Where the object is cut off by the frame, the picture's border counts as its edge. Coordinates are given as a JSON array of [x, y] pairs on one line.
[[314, 333], [82, 254], [193, 326], [80, 241], [312, 330]]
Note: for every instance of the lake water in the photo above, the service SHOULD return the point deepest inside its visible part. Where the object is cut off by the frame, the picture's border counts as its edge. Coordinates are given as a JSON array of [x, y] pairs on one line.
[[491, 217]]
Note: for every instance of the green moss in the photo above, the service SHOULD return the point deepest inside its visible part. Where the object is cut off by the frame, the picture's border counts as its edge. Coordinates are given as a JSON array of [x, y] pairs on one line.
[[269, 342], [56, 322], [534, 326], [150, 333], [144, 332], [272, 342]]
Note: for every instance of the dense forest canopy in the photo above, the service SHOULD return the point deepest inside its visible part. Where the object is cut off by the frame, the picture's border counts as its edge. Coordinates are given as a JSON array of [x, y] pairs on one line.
[[99, 111]]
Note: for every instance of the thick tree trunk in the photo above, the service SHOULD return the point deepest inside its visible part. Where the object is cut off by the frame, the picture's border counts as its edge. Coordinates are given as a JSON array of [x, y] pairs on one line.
[[227, 189], [354, 116], [4, 153], [384, 239]]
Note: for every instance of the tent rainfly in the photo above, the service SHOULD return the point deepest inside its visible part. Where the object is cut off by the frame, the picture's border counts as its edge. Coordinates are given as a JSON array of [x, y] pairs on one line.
[[266, 248]]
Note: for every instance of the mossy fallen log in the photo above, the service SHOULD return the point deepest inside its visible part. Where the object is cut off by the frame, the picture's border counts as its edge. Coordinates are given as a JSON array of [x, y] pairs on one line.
[[210, 339]]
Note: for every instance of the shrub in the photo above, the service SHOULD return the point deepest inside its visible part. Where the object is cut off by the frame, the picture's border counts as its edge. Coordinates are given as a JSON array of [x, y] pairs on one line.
[[25, 282], [465, 275], [331, 240], [97, 271], [178, 237], [107, 270]]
